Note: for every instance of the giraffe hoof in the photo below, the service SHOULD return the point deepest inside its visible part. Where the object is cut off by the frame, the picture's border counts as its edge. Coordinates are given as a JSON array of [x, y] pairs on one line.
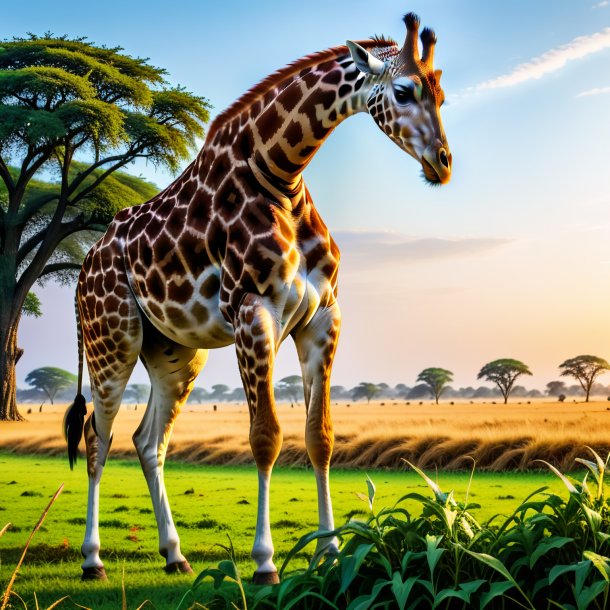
[[265, 578], [94, 573], [178, 567]]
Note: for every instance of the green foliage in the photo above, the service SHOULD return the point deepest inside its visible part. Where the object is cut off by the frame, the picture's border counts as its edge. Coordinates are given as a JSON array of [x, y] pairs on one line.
[[290, 387], [550, 552], [436, 379], [32, 306], [50, 380], [585, 369], [79, 113], [504, 372], [365, 390]]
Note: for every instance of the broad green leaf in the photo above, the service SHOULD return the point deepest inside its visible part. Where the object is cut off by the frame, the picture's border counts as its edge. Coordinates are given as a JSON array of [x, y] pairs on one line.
[[433, 553], [402, 590], [471, 586], [594, 519], [498, 566], [496, 589], [228, 568], [447, 593], [325, 602], [588, 594], [363, 602], [544, 547], [601, 562], [561, 476], [440, 496], [351, 564], [582, 567], [371, 491]]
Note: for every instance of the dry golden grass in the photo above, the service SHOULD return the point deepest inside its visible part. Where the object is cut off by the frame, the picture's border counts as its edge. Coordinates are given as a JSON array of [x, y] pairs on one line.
[[378, 435]]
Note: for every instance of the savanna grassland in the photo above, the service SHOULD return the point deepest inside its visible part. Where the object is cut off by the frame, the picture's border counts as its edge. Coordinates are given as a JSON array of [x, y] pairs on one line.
[[210, 504], [376, 435], [212, 486]]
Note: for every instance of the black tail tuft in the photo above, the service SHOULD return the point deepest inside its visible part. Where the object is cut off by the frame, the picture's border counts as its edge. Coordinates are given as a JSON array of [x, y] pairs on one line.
[[74, 422]]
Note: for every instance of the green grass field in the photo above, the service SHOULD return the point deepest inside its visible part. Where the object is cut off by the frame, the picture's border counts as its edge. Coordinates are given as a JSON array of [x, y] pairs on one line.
[[208, 502]]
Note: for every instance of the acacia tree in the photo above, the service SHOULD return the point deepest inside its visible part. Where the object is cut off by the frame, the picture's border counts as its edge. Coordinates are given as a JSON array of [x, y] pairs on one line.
[[78, 113], [436, 379], [291, 386], [138, 391], [365, 390], [504, 372], [50, 380], [585, 369]]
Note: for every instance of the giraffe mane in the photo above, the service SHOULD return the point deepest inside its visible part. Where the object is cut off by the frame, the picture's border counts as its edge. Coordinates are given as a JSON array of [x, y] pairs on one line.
[[380, 46]]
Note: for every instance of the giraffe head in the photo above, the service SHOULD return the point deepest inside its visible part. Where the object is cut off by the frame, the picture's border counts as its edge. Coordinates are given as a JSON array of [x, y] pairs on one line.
[[405, 97]]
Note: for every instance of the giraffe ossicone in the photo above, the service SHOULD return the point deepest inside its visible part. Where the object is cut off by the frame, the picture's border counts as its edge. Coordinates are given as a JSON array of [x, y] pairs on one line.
[[234, 251]]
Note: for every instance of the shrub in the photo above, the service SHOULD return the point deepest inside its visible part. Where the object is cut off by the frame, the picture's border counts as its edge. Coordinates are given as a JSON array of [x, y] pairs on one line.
[[550, 552]]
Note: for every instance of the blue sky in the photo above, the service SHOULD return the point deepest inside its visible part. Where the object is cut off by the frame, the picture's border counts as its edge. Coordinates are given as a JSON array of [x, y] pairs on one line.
[[511, 259]]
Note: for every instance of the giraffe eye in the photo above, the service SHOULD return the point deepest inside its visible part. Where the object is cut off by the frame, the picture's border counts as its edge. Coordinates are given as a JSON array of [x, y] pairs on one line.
[[407, 93]]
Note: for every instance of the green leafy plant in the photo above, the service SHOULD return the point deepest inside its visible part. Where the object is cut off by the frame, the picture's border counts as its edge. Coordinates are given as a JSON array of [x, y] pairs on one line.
[[550, 552]]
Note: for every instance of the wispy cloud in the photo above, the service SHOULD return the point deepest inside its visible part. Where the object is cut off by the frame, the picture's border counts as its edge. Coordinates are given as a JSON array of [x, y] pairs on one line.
[[551, 61], [602, 4], [374, 248], [595, 91]]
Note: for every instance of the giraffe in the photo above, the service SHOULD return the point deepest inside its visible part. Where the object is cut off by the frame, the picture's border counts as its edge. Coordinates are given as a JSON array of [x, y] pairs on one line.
[[234, 252]]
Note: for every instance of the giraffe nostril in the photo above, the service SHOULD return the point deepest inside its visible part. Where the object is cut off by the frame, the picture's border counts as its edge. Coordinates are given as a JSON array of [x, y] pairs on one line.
[[442, 156]]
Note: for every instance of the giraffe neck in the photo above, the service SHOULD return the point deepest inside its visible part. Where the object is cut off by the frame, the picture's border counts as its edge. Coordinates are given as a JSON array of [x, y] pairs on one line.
[[278, 126]]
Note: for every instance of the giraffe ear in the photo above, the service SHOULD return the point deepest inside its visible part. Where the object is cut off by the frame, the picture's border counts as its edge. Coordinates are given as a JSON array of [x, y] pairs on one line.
[[438, 74], [365, 61]]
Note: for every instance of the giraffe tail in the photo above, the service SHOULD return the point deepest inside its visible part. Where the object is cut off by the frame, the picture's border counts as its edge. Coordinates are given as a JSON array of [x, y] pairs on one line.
[[74, 418]]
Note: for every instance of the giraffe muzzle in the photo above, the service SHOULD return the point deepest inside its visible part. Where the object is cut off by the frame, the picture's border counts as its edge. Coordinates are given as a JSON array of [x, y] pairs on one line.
[[436, 164]]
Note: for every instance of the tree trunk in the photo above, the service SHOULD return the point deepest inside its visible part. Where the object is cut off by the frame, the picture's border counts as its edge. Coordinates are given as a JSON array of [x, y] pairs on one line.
[[9, 355]]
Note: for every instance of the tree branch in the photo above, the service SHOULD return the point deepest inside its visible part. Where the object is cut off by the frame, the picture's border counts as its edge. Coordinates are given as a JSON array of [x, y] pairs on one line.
[[55, 267], [6, 177], [82, 194], [82, 176]]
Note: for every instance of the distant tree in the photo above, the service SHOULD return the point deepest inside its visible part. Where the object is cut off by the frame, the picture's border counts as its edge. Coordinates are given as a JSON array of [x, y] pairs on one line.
[[197, 395], [50, 380], [555, 388], [384, 390], [79, 113], [365, 390], [585, 369], [291, 387], [401, 390], [237, 395], [534, 394], [338, 392], [519, 391], [485, 392], [138, 392], [467, 392], [421, 390], [219, 392], [504, 372], [436, 379]]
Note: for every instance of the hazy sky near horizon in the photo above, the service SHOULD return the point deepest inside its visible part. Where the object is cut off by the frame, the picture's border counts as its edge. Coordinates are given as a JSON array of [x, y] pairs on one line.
[[511, 259]]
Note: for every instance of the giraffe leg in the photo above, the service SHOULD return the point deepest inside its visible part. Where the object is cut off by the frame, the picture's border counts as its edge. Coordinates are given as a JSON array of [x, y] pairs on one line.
[[172, 369], [107, 389], [316, 344], [255, 341]]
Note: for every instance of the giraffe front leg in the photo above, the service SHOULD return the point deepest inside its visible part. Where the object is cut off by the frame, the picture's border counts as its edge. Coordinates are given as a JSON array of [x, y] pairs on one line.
[[255, 335], [316, 345]]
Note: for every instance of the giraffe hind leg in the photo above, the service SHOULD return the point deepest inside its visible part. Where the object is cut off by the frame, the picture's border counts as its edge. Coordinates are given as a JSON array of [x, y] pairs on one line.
[[112, 337], [172, 369]]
